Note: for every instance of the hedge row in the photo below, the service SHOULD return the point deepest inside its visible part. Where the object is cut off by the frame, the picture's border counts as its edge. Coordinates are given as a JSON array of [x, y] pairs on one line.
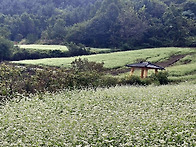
[[16, 79]]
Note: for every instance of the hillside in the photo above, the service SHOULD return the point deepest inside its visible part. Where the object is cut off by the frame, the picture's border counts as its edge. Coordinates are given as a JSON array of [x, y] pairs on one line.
[[125, 24], [117, 59], [179, 62]]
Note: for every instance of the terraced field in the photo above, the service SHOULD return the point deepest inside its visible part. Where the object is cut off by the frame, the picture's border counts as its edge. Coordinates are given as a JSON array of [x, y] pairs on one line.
[[117, 59], [183, 68]]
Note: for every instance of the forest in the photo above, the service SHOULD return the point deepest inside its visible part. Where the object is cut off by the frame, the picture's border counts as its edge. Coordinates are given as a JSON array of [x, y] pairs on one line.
[[124, 24]]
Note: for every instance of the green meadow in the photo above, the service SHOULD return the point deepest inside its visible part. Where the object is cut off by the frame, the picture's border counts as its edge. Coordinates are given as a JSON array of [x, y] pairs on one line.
[[44, 47], [60, 47], [116, 59]]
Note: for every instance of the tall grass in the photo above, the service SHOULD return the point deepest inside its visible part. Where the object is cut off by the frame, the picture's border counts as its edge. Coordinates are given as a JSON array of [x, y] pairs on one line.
[[118, 116]]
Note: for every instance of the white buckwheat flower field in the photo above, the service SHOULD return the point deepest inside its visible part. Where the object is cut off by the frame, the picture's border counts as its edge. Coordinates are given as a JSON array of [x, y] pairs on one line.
[[117, 116]]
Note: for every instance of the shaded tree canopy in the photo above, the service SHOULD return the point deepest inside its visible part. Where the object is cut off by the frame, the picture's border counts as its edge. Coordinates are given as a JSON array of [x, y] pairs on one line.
[[5, 49], [127, 24]]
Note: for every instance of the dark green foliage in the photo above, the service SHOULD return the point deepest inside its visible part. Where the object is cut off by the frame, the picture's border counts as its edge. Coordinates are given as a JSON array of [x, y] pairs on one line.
[[82, 65], [131, 80], [22, 54], [100, 23], [161, 78], [5, 49], [32, 79], [76, 50], [20, 79]]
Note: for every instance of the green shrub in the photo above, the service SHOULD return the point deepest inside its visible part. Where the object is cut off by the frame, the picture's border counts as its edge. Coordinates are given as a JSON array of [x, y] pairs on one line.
[[131, 80], [32, 79], [86, 79], [108, 81], [85, 65], [77, 49], [26, 80], [161, 78], [5, 49]]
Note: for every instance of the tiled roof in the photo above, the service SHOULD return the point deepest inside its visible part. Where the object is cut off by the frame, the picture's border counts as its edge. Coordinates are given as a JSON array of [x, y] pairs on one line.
[[145, 65]]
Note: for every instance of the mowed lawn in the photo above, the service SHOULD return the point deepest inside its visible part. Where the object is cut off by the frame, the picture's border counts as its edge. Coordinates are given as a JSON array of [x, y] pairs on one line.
[[116, 116]]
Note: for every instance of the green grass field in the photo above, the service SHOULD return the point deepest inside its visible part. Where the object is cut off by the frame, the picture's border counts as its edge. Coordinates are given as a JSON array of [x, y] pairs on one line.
[[100, 50], [44, 47], [117, 59], [60, 47], [118, 116]]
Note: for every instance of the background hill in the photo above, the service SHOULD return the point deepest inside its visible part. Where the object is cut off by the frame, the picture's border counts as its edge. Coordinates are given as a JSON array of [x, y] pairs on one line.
[[127, 24], [180, 63]]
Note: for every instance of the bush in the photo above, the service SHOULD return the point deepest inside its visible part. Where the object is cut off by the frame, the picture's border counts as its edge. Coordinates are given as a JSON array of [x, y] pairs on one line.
[[85, 65], [76, 50], [5, 49], [161, 78], [108, 81], [131, 80], [32, 79]]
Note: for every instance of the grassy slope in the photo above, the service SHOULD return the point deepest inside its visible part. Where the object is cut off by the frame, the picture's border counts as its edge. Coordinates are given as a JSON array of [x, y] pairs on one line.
[[117, 59], [183, 72], [120, 116], [179, 71]]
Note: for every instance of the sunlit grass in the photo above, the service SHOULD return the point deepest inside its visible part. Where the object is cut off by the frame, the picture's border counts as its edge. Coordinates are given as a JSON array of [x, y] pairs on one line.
[[119, 116], [117, 59], [181, 70], [60, 47], [100, 50], [44, 47]]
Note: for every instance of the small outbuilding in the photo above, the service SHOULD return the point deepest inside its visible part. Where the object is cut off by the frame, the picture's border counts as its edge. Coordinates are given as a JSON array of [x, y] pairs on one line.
[[144, 66]]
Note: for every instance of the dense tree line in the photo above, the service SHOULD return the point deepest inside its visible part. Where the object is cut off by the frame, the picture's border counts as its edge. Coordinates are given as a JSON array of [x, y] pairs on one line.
[[127, 24]]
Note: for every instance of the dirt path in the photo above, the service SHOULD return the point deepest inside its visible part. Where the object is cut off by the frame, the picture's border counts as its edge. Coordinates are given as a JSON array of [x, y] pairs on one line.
[[169, 62]]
